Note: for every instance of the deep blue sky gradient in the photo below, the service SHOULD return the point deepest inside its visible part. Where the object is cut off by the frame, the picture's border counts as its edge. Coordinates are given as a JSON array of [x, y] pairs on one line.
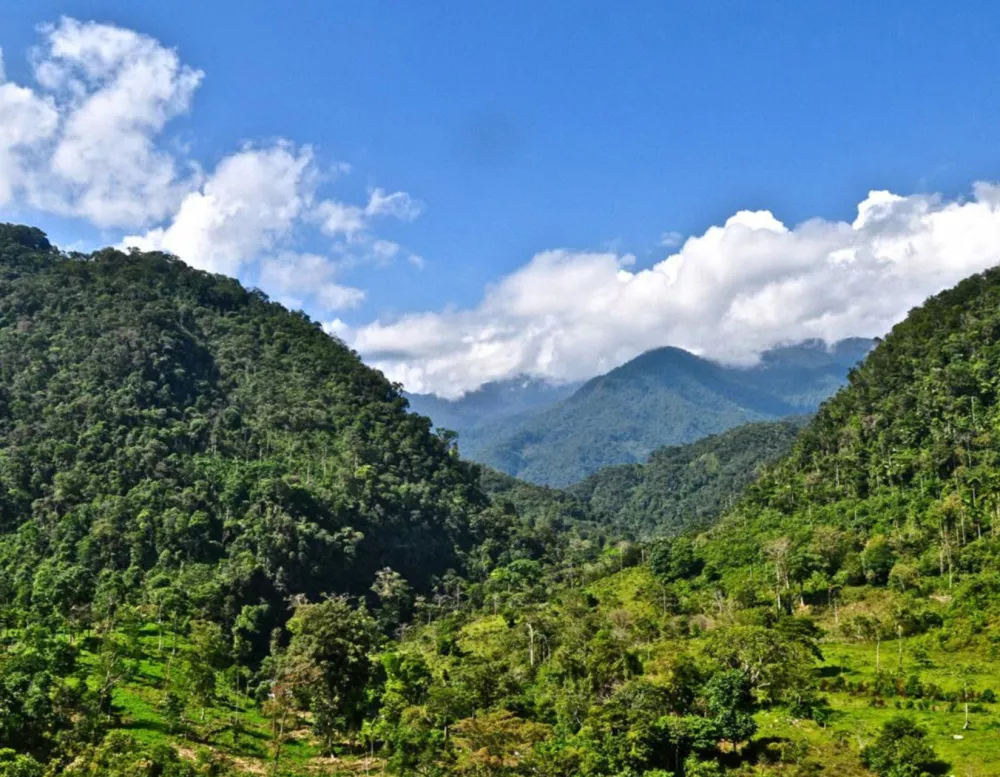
[[532, 125]]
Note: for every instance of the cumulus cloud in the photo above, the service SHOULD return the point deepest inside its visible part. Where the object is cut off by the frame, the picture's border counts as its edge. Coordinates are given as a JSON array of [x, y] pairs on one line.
[[252, 201], [729, 293], [241, 220], [353, 222], [82, 141], [86, 140], [300, 280]]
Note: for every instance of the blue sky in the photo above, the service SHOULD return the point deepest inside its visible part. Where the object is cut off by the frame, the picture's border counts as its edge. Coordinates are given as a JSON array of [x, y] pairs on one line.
[[526, 127]]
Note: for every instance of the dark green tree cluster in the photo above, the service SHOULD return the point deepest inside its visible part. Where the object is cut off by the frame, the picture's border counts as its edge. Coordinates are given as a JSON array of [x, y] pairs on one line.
[[686, 487]]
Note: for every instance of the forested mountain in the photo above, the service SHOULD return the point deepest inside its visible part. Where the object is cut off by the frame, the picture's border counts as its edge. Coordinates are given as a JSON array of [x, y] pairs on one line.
[[686, 487], [179, 451], [491, 402], [157, 418], [663, 397], [228, 548]]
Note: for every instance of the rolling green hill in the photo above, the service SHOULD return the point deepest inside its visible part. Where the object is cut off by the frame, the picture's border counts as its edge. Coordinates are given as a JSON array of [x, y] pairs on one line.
[[686, 487], [663, 397]]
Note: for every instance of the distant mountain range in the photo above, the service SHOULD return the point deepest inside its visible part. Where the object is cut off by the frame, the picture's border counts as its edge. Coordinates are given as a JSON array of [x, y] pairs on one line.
[[490, 402], [558, 435]]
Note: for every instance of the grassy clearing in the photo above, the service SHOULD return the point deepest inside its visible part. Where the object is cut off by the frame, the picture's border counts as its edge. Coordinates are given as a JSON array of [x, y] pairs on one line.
[[208, 732]]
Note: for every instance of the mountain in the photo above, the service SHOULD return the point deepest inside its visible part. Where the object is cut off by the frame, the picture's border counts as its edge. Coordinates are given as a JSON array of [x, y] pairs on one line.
[[164, 426], [663, 397], [197, 485], [900, 465], [686, 487], [492, 401], [840, 618]]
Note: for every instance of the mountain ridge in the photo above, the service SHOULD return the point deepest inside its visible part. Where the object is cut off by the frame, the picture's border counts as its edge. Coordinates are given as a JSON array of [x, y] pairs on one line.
[[666, 396]]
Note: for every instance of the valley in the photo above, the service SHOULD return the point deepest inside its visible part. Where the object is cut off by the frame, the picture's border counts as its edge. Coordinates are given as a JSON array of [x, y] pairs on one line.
[[229, 547]]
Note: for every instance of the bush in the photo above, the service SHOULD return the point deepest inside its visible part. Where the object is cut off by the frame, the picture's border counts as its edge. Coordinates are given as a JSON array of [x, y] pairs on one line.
[[899, 750]]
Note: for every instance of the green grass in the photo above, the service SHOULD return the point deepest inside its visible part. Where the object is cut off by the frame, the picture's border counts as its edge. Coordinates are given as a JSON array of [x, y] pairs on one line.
[[138, 705]]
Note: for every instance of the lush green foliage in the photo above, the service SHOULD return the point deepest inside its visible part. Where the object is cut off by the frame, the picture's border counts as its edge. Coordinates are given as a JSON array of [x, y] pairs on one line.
[[686, 487], [227, 547], [178, 451]]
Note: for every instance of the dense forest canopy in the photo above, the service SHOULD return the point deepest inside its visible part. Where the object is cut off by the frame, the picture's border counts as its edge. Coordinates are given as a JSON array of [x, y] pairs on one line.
[[686, 487], [227, 547], [158, 420]]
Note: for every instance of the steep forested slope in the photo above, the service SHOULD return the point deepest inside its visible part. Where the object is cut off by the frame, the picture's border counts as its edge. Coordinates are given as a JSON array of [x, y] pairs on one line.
[[663, 397], [903, 461], [685, 487], [183, 460], [153, 416]]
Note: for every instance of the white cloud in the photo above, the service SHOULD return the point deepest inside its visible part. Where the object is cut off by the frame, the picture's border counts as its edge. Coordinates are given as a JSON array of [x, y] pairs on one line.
[[671, 239], [240, 219], [729, 293], [86, 140], [249, 204], [398, 205], [83, 141], [338, 219], [300, 279], [353, 222]]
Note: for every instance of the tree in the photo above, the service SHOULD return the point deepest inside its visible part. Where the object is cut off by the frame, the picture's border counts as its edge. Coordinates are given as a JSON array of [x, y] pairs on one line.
[[13, 764], [871, 628], [496, 742], [730, 705], [338, 641], [877, 559], [206, 657], [778, 552], [964, 673], [394, 596], [675, 559], [900, 750]]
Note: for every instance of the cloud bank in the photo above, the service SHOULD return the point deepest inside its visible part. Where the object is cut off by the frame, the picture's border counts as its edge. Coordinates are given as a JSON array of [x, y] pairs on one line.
[[729, 293], [87, 140]]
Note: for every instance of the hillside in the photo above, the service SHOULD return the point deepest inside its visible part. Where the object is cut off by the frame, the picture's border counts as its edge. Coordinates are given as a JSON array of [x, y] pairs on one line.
[[173, 418], [686, 487], [663, 397], [185, 468], [904, 457], [841, 618]]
